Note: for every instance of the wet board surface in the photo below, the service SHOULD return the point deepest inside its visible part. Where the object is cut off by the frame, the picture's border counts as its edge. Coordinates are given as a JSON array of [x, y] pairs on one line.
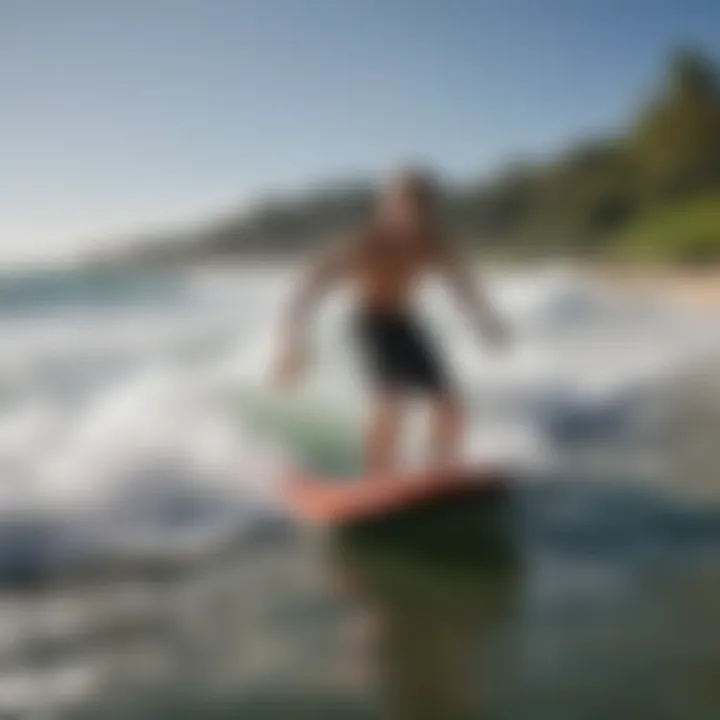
[[324, 502]]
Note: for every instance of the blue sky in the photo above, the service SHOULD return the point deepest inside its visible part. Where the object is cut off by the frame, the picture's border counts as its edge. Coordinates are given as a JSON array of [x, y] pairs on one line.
[[122, 115]]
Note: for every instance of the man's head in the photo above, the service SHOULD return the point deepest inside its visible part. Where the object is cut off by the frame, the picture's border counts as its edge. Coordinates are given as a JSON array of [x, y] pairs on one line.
[[409, 201]]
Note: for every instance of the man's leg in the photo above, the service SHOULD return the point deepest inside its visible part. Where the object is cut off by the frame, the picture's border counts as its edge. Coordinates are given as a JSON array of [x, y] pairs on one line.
[[447, 425], [384, 433]]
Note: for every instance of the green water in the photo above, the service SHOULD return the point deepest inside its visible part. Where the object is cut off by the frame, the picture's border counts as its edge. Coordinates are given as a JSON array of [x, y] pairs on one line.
[[559, 602], [592, 592]]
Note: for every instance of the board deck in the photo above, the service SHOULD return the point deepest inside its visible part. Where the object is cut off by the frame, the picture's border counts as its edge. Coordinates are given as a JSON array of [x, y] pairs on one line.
[[320, 501]]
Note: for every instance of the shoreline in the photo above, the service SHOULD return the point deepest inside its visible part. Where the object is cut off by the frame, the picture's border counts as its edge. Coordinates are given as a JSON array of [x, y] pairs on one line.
[[699, 288], [695, 287]]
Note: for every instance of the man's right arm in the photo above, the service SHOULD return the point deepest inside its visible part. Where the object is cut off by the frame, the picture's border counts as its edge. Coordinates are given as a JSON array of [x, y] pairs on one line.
[[327, 269]]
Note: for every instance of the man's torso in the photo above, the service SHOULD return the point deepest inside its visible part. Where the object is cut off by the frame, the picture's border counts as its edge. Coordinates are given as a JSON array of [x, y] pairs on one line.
[[385, 271]]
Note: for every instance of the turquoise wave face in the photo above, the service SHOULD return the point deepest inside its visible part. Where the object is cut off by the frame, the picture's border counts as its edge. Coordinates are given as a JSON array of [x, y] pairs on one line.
[[324, 440], [57, 291]]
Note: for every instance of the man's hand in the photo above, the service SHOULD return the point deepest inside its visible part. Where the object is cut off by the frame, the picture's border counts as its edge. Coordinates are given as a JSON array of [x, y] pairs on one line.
[[291, 365]]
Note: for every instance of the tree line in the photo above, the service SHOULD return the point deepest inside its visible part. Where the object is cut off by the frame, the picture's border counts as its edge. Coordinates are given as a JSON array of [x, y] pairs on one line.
[[649, 192]]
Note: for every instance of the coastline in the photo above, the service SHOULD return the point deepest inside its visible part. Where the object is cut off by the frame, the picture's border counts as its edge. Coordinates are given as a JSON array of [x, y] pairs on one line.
[[695, 287], [699, 288]]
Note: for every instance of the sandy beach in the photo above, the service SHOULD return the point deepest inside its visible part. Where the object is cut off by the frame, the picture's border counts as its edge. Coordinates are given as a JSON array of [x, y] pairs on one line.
[[700, 288]]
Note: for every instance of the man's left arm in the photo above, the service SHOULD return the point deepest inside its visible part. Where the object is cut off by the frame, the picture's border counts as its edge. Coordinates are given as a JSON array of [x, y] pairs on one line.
[[471, 294]]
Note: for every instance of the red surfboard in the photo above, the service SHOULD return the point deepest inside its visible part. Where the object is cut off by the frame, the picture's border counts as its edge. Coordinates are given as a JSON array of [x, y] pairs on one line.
[[321, 501]]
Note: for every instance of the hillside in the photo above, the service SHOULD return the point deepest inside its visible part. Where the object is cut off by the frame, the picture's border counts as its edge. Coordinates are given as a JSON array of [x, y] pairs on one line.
[[633, 194]]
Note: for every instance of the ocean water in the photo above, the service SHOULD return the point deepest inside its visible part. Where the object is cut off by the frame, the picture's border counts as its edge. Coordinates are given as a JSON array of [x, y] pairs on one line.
[[148, 568]]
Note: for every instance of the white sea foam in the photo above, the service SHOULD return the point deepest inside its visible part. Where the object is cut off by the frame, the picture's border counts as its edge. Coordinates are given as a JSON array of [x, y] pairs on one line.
[[140, 421]]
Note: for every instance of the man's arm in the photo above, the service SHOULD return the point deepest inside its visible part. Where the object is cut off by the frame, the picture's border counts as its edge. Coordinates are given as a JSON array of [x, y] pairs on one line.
[[329, 267], [473, 298]]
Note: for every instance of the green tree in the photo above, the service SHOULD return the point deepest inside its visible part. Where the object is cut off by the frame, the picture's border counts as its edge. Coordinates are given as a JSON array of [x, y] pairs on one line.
[[677, 139]]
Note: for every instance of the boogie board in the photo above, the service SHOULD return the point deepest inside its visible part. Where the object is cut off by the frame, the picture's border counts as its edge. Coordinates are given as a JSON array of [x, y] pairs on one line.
[[320, 501]]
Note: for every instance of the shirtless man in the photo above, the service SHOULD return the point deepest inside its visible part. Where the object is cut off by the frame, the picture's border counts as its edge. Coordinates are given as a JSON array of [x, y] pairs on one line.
[[383, 264]]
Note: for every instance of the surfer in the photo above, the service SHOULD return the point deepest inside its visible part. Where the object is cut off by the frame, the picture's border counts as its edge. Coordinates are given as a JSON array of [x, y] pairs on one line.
[[383, 263]]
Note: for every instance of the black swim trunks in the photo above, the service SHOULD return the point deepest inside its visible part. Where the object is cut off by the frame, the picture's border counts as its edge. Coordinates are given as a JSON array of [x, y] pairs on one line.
[[399, 355]]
